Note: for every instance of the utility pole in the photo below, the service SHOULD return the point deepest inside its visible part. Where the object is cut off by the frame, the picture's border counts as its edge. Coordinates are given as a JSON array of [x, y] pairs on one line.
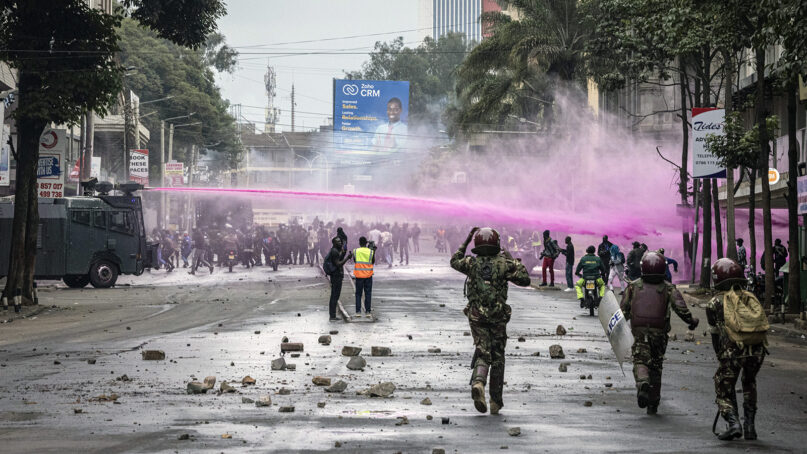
[[162, 222], [170, 158], [293, 105], [89, 143]]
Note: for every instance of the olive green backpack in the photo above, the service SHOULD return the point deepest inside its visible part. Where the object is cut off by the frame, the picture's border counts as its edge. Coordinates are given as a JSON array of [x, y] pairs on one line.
[[744, 317]]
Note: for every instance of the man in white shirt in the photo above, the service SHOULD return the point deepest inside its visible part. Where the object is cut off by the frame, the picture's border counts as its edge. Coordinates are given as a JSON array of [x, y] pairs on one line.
[[391, 136]]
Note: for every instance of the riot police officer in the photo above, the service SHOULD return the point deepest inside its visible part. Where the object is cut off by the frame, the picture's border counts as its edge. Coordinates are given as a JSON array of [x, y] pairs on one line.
[[488, 312], [740, 346], [647, 303]]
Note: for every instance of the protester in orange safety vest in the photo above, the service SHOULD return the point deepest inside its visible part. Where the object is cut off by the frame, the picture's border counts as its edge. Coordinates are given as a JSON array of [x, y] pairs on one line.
[[364, 259]]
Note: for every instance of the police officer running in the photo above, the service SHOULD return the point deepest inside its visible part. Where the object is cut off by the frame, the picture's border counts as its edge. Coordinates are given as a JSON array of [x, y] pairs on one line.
[[647, 303], [739, 327], [488, 312], [364, 259]]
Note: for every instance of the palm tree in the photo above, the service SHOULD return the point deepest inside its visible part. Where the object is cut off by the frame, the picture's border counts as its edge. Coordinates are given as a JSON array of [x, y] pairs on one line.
[[517, 71]]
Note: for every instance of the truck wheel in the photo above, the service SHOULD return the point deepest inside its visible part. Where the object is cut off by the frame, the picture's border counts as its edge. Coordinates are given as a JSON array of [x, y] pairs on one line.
[[76, 281], [103, 274]]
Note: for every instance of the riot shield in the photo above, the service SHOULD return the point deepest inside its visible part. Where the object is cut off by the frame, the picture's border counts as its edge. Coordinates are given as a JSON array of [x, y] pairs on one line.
[[616, 328]]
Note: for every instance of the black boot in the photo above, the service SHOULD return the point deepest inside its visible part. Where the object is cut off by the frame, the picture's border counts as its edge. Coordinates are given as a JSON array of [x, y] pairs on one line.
[[643, 395], [734, 429], [495, 389], [652, 409], [749, 431]]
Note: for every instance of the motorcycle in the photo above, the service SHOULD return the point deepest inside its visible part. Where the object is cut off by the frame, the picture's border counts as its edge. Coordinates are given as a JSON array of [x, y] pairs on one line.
[[756, 285], [591, 299], [273, 262]]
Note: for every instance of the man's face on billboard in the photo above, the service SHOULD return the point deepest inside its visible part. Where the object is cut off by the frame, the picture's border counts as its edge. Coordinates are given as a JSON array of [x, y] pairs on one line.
[[394, 112]]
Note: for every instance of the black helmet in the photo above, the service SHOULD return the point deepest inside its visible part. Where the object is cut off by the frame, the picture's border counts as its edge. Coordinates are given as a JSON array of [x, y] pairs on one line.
[[653, 265], [486, 242], [726, 273]]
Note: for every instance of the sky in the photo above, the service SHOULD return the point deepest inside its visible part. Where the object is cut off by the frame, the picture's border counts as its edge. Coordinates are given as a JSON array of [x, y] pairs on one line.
[[260, 29]]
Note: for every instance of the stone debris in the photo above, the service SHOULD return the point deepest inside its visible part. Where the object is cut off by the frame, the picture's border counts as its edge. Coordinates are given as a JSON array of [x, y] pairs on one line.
[[291, 366], [556, 352], [582, 376], [429, 417], [77, 411], [324, 339], [522, 339], [348, 350], [381, 351], [90, 361], [337, 445], [210, 382], [279, 364], [466, 333], [536, 354], [337, 387], [153, 355], [284, 340], [560, 330], [257, 332], [104, 398], [402, 421], [263, 401], [333, 332], [426, 401], [247, 400], [195, 387], [226, 436], [434, 350], [356, 363], [608, 385], [564, 367], [291, 347], [246, 381], [438, 451], [124, 378], [321, 381], [582, 350], [284, 391], [445, 420], [288, 409], [321, 404], [226, 388], [184, 437], [589, 376], [588, 403], [689, 337], [295, 355], [514, 431], [380, 390]]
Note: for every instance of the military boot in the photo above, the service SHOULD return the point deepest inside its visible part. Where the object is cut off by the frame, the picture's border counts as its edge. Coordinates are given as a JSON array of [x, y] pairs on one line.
[[478, 388], [643, 395], [749, 431], [496, 385], [734, 429]]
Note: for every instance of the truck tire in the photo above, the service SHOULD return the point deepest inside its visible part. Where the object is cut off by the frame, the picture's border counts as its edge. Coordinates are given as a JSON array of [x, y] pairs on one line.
[[103, 274], [76, 280]]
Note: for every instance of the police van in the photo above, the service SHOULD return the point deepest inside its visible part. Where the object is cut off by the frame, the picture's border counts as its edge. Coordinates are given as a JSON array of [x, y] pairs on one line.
[[86, 239]]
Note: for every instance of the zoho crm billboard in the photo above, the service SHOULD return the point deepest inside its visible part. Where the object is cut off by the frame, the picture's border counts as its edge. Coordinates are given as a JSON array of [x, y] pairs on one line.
[[370, 116]]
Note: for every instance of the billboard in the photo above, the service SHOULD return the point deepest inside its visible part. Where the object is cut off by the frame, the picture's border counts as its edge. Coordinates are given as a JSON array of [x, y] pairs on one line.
[[370, 116], [801, 188], [50, 168], [706, 122], [173, 174], [139, 166], [5, 156]]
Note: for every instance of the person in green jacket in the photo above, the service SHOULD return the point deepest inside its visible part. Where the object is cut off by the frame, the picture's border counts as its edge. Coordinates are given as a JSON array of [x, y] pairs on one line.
[[589, 267]]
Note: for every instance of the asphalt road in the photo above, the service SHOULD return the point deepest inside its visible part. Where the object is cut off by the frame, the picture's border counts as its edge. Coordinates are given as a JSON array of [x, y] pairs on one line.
[[231, 325]]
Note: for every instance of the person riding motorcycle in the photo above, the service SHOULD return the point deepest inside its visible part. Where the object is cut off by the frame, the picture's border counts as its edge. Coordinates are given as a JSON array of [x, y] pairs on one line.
[[589, 267]]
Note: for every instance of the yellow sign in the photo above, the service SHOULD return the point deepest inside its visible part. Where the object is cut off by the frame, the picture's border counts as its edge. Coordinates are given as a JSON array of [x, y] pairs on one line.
[[773, 176], [802, 89]]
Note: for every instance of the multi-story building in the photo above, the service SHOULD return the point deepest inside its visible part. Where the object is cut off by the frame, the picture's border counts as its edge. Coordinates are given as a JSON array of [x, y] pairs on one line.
[[440, 17]]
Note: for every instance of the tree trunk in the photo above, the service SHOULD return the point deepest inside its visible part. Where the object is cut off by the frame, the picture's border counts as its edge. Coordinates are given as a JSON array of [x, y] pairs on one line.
[[683, 177], [718, 221], [752, 214], [731, 249], [764, 158], [706, 262], [793, 284], [21, 255]]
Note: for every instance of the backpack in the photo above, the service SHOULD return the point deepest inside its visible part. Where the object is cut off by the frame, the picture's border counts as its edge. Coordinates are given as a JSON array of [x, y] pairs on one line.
[[744, 318], [328, 267]]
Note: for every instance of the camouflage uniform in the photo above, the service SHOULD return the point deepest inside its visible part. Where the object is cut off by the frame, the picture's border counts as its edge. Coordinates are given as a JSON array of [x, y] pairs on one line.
[[733, 359], [650, 344], [488, 311]]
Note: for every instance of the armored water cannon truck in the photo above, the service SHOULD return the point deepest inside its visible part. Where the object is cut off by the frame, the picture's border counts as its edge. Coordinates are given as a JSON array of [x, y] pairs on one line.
[[90, 239]]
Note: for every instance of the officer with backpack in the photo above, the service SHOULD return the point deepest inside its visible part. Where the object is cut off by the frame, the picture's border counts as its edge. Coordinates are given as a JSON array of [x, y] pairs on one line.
[[739, 327], [488, 274], [647, 304]]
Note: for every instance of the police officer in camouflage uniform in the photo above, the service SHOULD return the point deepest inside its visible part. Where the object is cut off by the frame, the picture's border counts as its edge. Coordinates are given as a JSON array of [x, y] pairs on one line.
[[647, 303], [734, 358], [487, 310]]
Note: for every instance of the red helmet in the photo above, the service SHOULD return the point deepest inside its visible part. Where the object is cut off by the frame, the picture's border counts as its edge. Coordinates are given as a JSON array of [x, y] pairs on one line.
[[727, 273], [653, 264], [486, 242]]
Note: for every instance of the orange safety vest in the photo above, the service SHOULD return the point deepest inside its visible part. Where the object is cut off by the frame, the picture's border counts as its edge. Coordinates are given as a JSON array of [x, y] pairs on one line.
[[363, 258]]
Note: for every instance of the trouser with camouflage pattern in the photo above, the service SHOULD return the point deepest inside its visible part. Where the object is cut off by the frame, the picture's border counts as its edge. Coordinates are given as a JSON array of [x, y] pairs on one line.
[[490, 340], [733, 361], [648, 350]]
